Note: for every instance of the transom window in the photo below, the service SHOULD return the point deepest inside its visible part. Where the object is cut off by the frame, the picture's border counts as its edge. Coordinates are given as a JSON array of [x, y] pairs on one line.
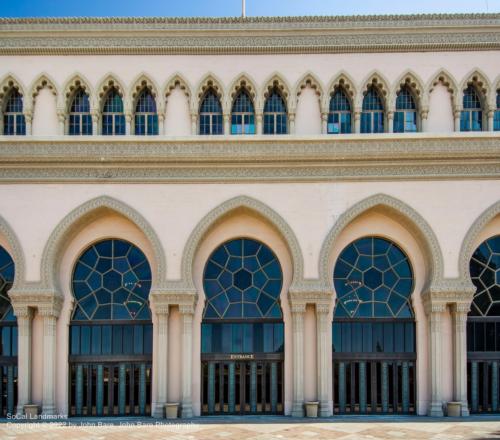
[[373, 279], [485, 274], [80, 119], [113, 119], [211, 114], [339, 117], [471, 118], [496, 120], [13, 118], [372, 116], [146, 118], [405, 117], [112, 280], [243, 116], [242, 279], [275, 117]]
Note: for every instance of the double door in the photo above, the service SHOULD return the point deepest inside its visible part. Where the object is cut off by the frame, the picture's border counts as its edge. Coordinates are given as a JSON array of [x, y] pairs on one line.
[[242, 386]]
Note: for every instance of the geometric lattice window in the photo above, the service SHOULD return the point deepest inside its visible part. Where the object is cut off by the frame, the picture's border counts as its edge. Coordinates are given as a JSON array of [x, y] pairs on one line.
[[242, 116], [242, 279], [373, 279], [146, 118], [405, 116], [372, 116], [80, 119], [471, 118], [113, 119], [339, 117], [275, 115], [13, 117], [112, 280], [7, 271], [485, 274], [210, 121]]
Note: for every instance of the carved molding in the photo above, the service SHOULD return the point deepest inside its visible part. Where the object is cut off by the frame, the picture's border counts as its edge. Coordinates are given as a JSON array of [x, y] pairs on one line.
[[401, 212], [217, 214], [15, 251], [48, 301], [80, 216]]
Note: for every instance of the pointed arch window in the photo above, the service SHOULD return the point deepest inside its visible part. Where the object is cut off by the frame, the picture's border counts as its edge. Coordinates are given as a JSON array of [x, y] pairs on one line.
[[211, 114], [275, 114], [243, 114], [13, 117], [496, 120], [471, 118], [339, 117], [372, 116], [113, 118], [405, 116], [146, 117], [80, 119]]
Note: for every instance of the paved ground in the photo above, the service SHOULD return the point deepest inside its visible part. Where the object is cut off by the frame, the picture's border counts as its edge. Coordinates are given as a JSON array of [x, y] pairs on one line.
[[259, 428]]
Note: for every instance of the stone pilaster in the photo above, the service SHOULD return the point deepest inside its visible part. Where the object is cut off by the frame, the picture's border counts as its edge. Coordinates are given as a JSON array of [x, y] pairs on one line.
[[161, 360], [227, 128], [456, 116], [61, 117], [194, 123], [423, 119], [291, 125], [128, 123], [390, 122], [24, 316], [459, 317], [187, 312], [298, 312], [95, 123], [491, 117], [357, 120], [161, 123], [324, 122], [259, 117], [324, 359], [28, 118], [435, 313]]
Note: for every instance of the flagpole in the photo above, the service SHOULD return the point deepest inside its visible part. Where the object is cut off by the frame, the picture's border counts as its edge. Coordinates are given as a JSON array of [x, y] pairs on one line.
[[243, 14]]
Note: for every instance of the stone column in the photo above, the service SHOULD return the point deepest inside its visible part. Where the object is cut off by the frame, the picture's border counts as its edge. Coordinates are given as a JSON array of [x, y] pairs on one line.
[[24, 317], [258, 117], [435, 314], [161, 123], [187, 312], [324, 122], [491, 116], [456, 115], [128, 124], [194, 124], [357, 121], [291, 126], [298, 312], [49, 315], [423, 120], [459, 317], [95, 123], [28, 118], [324, 359], [61, 116], [227, 128], [390, 122], [162, 360]]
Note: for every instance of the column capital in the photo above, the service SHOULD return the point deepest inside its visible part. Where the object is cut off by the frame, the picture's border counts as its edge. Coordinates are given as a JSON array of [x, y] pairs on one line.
[[47, 301]]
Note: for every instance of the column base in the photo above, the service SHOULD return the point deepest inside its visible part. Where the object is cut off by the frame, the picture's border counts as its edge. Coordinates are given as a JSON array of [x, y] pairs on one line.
[[298, 409], [325, 409], [48, 410], [436, 410], [465, 409], [187, 410], [158, 412]]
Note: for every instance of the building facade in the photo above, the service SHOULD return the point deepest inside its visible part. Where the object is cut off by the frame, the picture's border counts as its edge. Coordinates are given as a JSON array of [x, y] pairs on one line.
[[244, 215]]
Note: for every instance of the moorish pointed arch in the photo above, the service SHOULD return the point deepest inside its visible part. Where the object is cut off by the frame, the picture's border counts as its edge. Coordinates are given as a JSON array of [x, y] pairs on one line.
[[216, 215], [309, 80], [480, 82], [243, 81], [77, 82], [177, 81], [141, 83], [78, 218], [8, 83], [378, 82], [446, 79], [210, 83], [276, 82], [43, 81], [409, 79], [397, 210], [468, 244], [342, 81], [109, 82]]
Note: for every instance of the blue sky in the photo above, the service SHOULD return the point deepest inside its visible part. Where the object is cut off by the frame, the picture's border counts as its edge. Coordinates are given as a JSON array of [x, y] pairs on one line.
[[183, 8]]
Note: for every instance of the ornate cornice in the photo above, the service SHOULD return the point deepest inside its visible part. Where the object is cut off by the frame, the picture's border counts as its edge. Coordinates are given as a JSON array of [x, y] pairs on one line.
[[409, 33], [261, 158]]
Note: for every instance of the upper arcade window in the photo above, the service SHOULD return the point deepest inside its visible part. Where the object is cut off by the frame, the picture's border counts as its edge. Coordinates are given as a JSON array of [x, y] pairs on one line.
[[339, 117], [485, 274], [211, 114], [405, 116], [496, 121], [275, 117], [13, 117], [113, 119], [111, 280], [373, 279], [243, 116], [372, 116], [471, 118], [242, 279], [80, 119], [146, 118]]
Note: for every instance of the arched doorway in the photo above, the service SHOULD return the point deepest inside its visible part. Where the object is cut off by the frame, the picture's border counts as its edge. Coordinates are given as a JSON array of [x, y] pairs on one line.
[[483, 329], [8, 338], [242, 330], [111, 333], [373, 331]]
